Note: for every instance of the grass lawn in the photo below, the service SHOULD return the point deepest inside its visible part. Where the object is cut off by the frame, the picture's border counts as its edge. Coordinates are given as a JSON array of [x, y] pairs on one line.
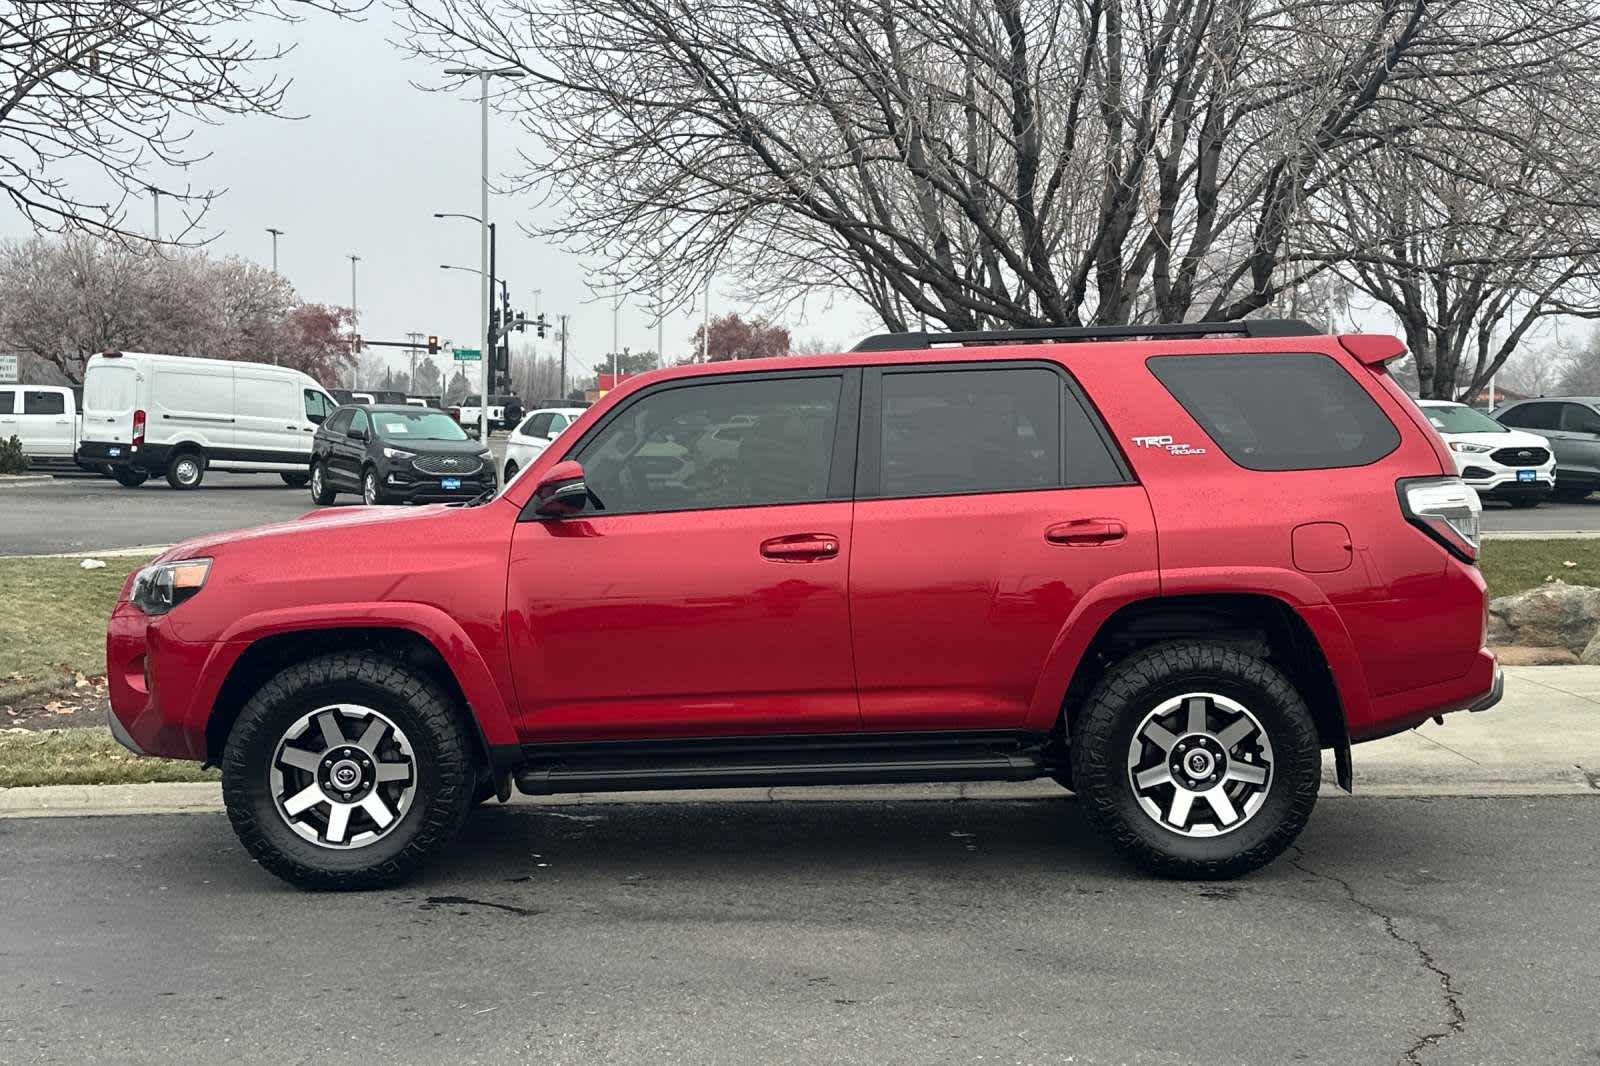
[[83, 757], [53, 624], [1517, 565]]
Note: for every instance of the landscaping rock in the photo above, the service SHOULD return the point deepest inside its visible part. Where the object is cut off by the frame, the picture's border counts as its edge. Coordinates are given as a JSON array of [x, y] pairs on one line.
[[1556, 615], [1522, 655]]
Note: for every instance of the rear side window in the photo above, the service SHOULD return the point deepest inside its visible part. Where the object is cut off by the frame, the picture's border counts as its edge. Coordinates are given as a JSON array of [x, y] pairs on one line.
[[8, 402], [538, 425], [1279, 412], [44, 403], [663, 452], [1579, 418]]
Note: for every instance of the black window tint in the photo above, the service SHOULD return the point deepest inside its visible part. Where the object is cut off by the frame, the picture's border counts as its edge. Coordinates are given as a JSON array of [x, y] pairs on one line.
[[340, 422], [662, 453], [1579, 418], [1279, 412], [8, 402], [1532, 416], [538, 425], [955, 431], [44, 403]]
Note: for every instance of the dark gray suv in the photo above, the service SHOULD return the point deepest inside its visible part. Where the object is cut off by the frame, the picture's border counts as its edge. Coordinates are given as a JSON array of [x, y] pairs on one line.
[[397, 454], [1572, 425]]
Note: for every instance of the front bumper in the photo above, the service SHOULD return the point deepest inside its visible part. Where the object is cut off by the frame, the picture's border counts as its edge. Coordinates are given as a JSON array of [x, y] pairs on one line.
[[161, 688], [412, 487]]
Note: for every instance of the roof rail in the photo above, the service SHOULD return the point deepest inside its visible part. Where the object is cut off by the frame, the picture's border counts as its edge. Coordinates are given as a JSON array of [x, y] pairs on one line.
[[1259, 327]]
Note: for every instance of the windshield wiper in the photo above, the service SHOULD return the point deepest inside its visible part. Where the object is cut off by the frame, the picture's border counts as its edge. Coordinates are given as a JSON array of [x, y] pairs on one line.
[[481, 498]]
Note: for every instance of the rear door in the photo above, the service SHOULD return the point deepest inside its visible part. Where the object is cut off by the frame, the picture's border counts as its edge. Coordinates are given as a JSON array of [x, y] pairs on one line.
[[1578, 450], [695, 598], [110, 395], [45, 423], [989, 503], [9, 399]]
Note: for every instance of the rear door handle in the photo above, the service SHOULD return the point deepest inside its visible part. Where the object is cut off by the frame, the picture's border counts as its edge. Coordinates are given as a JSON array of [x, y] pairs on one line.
[[801, 547], [1086, 531]]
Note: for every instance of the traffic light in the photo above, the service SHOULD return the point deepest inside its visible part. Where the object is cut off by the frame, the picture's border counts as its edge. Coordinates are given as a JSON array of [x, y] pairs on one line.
[[355, 344], [521, 319], [540, 325], [433, 345]]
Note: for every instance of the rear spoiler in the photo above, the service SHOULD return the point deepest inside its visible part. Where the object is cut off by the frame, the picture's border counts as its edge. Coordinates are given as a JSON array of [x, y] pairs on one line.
[[1373, 349]]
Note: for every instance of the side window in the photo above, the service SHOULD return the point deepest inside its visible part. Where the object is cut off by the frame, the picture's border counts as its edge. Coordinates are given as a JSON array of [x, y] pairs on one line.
[[1532, 416], [557, 424], [945, 432], [661, 453], [1279, 412], [43, 403], [539, 425], [358, 420], [340, 422], [316, 405], [1579, 418], [8, 402]]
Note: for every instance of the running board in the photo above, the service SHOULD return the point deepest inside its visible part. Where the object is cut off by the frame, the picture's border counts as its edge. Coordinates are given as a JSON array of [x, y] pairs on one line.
[[745, 762]]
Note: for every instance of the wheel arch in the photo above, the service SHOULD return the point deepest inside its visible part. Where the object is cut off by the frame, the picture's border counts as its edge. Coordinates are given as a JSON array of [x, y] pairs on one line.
[[445, 657], [1275, 628]]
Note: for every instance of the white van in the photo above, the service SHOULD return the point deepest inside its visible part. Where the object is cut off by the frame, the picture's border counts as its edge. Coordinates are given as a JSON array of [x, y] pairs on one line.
[[175, 415]]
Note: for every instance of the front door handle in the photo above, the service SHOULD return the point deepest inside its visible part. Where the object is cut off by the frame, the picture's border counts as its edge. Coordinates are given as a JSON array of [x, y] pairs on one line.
[[801, 547], [1086, 531]]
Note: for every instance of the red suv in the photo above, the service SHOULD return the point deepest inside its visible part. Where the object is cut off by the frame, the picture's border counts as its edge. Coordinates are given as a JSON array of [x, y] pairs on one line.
[[1165, 566]]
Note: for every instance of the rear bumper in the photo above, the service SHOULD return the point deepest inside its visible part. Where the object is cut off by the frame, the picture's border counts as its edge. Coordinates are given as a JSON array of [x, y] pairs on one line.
[[1479, 689], [151, 457]]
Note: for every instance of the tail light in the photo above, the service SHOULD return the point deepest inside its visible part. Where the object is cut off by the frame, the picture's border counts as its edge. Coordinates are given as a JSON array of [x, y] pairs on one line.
[[455, 413], [1446, 509], [138, 427]]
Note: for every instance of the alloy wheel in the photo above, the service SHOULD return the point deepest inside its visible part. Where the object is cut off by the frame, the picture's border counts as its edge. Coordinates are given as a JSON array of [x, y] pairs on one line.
[[369, 489], [316, 483], [1200, 764], [343, 776]]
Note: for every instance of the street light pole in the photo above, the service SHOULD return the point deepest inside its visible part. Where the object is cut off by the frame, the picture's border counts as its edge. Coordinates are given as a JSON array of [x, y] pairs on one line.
[[563, 358], [276, 233], [354, 316], [155, 199]]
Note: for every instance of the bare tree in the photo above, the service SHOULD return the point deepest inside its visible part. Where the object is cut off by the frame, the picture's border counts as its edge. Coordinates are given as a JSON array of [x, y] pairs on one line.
[[99, 100], [974, 163]]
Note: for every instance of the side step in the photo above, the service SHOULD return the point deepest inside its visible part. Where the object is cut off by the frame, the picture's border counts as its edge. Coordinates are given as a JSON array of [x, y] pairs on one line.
[[743, 762]]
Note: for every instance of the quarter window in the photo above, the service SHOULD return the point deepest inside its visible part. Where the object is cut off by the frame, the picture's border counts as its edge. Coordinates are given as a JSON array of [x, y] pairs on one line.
[[1279, 412], [663, 452]]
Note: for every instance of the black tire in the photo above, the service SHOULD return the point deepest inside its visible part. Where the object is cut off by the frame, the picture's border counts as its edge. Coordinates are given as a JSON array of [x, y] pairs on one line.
[[1104, 728], [1524, 503], [322, 493], [295, 481], [186, 470], [1567, 494], [128, 477], [372, 492], [445, 771], [511, 472]]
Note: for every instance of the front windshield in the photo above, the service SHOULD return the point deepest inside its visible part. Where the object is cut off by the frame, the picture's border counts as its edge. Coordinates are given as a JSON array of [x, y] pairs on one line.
[[1460, 419], [417, 425]]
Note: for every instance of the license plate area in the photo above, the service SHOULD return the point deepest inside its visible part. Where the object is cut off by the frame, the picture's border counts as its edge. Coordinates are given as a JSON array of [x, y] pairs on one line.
[[1527, 475], [113, 452], [450, 483]]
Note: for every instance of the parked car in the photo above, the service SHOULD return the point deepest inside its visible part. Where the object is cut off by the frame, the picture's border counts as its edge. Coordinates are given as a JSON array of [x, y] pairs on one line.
[[47, 420], [396, 453], [435, 401], [505, 411], [1163, 565], [1499, 463], [529, 439], [1571, 424], [348, 396], [176, 416]]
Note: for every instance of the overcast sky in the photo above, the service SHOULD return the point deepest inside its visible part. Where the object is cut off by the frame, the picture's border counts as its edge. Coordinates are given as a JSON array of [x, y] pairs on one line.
[[363, 172]]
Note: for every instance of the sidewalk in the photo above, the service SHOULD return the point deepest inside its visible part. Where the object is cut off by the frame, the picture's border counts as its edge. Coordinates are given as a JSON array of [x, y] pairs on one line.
[[1543, 738]]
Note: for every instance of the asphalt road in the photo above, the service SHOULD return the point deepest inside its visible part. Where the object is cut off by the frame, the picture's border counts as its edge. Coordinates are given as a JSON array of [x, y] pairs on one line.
[[1405, 931], [85, 513]]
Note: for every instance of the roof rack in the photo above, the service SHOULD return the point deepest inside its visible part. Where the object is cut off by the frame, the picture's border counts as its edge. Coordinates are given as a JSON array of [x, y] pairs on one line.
[[1259, 327]]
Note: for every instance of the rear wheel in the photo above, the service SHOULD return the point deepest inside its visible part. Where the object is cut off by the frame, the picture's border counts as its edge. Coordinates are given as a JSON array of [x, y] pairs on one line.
[[295, 481], [347, 771], [128, 477], [1196, 760], [186, 471], [322, 493]]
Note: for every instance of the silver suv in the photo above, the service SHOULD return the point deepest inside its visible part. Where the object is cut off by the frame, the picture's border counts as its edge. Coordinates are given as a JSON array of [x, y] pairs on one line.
[[1572, 426]]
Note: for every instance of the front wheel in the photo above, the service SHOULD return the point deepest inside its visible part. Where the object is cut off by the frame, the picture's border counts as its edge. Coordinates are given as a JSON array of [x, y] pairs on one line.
[[347, 771], [128, 477], [322, 493], [371, 488], [1196, 760], [511, 472]]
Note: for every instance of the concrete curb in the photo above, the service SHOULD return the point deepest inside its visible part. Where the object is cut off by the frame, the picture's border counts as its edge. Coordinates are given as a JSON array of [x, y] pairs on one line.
[[71, 801], [1541, 534], [104, 553], [18, 481]]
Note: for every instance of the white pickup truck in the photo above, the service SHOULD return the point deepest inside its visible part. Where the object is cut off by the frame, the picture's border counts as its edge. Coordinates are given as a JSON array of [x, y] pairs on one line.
[[48, 419]]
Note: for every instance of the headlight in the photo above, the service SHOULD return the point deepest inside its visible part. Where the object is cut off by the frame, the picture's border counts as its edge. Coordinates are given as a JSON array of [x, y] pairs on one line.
[[398, 453], [1463, 446], [487, 456], [161, 587], [1445, 508]]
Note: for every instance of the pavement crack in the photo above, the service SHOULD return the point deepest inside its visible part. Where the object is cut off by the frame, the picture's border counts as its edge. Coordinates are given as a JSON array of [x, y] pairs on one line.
[[466, 901], [1455, 1021], [1591, 776]]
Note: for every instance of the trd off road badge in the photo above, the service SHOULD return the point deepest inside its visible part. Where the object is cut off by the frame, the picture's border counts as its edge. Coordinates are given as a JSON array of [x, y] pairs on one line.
[[1167, 445]]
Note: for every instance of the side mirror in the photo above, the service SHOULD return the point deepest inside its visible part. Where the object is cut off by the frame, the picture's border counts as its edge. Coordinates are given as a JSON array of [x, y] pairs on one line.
[[357, 434], [316, 419], [561, 491]]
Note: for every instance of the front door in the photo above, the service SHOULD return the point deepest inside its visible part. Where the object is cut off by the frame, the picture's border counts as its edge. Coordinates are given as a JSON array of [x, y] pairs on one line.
[[989, 504], [703, 591], [348, 451]]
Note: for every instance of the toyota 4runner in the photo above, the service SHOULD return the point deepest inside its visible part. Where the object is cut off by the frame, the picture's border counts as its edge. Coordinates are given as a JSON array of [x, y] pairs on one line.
[[1166, 566]]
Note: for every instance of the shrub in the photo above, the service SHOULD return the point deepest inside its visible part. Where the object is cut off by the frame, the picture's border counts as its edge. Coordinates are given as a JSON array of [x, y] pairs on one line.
[[12, 461]]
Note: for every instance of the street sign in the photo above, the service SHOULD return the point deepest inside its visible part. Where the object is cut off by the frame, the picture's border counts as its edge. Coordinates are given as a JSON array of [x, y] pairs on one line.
[[8, 368], [468, 355]]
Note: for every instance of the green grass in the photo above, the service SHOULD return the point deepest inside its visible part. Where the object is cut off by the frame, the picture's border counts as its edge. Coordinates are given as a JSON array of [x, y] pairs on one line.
[[1517, 565], [53, 623], [83, 757]]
